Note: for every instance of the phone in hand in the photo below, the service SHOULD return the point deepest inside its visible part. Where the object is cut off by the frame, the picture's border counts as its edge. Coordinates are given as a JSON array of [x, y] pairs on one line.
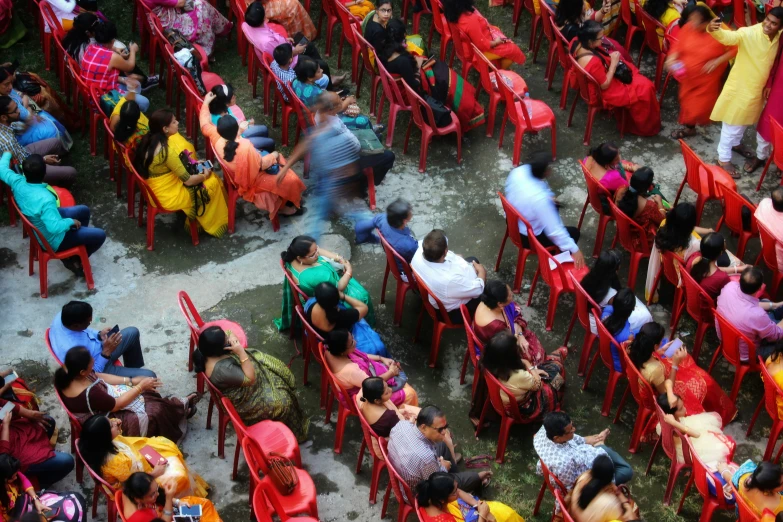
[[672, 349], [5, 409], [114, 330], [201, 166], [188, 513], [303, 41], [11, 377]]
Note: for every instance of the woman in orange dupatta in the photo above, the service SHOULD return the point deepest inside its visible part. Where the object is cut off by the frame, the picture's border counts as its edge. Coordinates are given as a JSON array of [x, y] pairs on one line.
[[248, 167], [698, 62]]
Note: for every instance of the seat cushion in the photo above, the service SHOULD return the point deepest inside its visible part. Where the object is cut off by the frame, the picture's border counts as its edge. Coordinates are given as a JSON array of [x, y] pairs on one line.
[[512, 79]]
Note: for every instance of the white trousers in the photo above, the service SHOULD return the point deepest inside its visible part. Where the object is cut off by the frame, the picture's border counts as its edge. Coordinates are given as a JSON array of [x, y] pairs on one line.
[[731, 136]]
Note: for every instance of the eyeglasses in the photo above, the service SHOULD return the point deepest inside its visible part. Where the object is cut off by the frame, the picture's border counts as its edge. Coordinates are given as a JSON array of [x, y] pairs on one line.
[[384, 10], [441, 429]]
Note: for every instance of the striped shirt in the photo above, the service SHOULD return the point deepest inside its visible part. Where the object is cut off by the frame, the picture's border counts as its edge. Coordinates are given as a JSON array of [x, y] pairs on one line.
[[95, 69], [9, 143]]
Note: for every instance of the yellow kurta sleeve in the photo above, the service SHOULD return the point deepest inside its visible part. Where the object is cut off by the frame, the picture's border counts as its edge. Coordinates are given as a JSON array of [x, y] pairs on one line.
[[728, 37]]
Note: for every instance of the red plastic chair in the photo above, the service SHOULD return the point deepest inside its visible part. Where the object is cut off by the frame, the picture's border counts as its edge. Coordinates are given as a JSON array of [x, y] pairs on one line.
[[535, 23], [699, 475], [670, 267], [632, 26], [563, 58], [583, 310], [76, 431], [701, 178], [489, 76], [271, 435], [547, 14], [402, 492], [472, 352], [101, 485], [440, 318], [561, 503], [590, 92], [770, 256], [670, 41], [699, 306], [666, 440], [310, 342], [442, 26], [424, 119], [462, 48], [403, 285], [118, 503], [417, 15], [261, 505], [596, 194], [746, 513], [366, 66], [551, 483], [237, 8], [398, 102], [556, 278], [730, 349], [772, 393], [297, 296], [150, 201], [654, 32], [216, 401], [255, 60], [644, 395], [50, 19], [378, 464], [116, 164], [733, 203], [345, 407], [509, 415], [628, 232], [41, 249], [348, 21], [541, 118], [328, 8], [512, 231], [83, 97], [777, 150], [301, 501], [606, 344], [285, 100]]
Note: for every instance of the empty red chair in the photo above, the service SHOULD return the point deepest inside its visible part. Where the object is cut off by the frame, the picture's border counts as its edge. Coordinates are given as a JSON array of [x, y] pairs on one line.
[[777, 150], [551, 483], [772, 393], [699, 306], [563, 58], [670, 267], [509, 415], [399, 487], [606, 344], [733, 203], [398, 102], [367, 66], [730, 349], [512, 231], [666, 440], [583, 310], [653, 40], [271, 435], [440, 318], [489, 76], [261, 504], [596, 195], [348, 20], [393, 262], [328, 8], [41, 249], [590, 92], [556, 278], [100, 485], [633, 238], [442, 26], [707, 181], [769, 254], [699, 474], [644, 395], [216, 401], [527, 115], [301, 501], [424, 119], [472, 352], [371, 439], [346, 407]]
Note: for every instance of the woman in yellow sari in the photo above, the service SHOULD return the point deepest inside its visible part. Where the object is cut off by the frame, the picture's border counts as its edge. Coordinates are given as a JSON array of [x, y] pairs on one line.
[[115, 458], [159, 159], [128, 123]]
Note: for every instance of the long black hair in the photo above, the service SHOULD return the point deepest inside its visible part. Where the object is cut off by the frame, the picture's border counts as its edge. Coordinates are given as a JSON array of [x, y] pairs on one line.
[[130, 112], [435, 490], [569, 12], [640, 183], [211, 343], [395, 43], [453, 9], [222, 100], [622, 304], [77, 359], [337, 341], [145, 151], [299, 247], [650, 335], [501, 355], [495, 292], [79, 35], [588, 32], [228, 128], [656, 8], [138, 485], [711, 247], [605, 154], [8, 466], [328, 297], [601, 475], [766, 477], [603, 275], [95, 442], [675, 234]]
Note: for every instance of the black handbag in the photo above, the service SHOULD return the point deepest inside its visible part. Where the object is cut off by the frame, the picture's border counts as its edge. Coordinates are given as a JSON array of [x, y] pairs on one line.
[[623, 73], [441, 113]]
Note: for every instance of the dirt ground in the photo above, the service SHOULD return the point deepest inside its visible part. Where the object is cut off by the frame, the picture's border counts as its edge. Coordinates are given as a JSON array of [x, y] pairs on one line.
[[238, 277]]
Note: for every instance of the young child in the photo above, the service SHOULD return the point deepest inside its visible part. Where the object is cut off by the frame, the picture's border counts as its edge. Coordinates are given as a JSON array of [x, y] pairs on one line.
[[281, 66]]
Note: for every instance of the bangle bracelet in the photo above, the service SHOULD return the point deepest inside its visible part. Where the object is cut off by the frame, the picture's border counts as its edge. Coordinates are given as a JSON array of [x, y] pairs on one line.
[[243, 361], [168, 513], [675, 367]]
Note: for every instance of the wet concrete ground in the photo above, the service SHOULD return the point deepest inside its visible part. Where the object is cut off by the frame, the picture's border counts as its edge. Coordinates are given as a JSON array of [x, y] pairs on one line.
[[238, 277]]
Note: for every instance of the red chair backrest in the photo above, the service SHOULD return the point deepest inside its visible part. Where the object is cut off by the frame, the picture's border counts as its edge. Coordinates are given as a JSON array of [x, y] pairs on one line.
[[401, 488], [513, 218], [561, 44], [547, 17], [544, 258], [670, 264], [215, 394], [640, 388], [731, 338], [462, 47], [188, 309], [563, 508], [120, 504], [228, 175], [550, 479], [626, 14], [108, 489], [26, 222], [700, 473], [51, 19], [606, 342], [49, 347], [494, 387], [293, 284], [311, 337], [392, 258], [589, 88], [483, 66], [772, 391], [76, 425], [777, 142], [584, 303], [746, 513], [437, 314], [441, 24], [668, 432], [733, 203], [239, 426], [337, 389], [474, 344], [149, 195], [695, 168], [629, 230], [348, 20], [422, 112], [595, 191], [514, 102], [391, 88], [304, 115], [698, 302], [769, 250], [365, 48], [369, 434], [653, 29], [328, 6]]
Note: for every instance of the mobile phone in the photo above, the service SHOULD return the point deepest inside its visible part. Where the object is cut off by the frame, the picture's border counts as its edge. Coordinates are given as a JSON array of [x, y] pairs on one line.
[[671, 350], [303, 41], [51, 515], [5, 409], [113, 331], [11, 377], [201, 166]]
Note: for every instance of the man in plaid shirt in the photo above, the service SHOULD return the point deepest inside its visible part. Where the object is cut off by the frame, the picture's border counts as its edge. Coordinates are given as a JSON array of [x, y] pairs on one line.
[[56, 174]]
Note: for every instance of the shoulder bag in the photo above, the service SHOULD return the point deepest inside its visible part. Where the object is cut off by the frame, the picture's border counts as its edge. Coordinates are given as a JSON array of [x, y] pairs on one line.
[[282, 472]]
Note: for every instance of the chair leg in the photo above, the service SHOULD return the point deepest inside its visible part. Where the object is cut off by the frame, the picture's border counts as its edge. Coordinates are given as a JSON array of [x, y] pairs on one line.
[[587, 348], [342, 415], [539, 498], [505, 431], [777, 427], [570, 328], [520, 271], [437, 332], [614, 378], [237, 449], [755, 416], [551, 308], [500, 252], [652, 456]]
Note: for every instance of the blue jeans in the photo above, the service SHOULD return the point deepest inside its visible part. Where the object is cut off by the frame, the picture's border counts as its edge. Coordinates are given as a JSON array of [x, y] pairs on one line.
[[258, 135], [52, 470], [623, 472], [130, 351], [92, 238]]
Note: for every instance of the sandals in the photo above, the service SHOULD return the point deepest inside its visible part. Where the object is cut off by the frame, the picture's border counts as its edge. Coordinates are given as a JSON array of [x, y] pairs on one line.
[[745, 152], [684, 132], [479, 461], [752, 164], [731, 169], [193, 398]]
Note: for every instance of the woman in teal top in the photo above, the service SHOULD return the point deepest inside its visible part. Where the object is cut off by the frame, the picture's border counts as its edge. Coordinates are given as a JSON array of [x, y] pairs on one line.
[[307, 73]]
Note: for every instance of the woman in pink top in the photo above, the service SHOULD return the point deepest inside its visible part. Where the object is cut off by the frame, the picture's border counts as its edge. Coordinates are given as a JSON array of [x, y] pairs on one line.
[[197, 20], [606, 166]]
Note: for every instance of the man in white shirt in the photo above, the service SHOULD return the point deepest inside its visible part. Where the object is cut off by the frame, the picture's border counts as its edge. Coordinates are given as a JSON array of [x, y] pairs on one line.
[[529, 193], [452, 279]]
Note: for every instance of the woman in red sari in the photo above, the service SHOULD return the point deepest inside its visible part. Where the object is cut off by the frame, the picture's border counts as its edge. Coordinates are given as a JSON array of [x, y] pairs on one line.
[[143, 501], [678, 375], [637, 99], [697, 61], [489, 39]]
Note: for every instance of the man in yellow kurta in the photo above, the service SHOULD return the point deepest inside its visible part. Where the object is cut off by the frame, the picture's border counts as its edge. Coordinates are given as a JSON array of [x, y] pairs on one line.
[[741, 101]]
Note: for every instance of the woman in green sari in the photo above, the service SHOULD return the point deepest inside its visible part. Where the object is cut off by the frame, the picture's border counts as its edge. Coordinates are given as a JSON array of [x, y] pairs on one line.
[[259, 386], [309, 266]]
